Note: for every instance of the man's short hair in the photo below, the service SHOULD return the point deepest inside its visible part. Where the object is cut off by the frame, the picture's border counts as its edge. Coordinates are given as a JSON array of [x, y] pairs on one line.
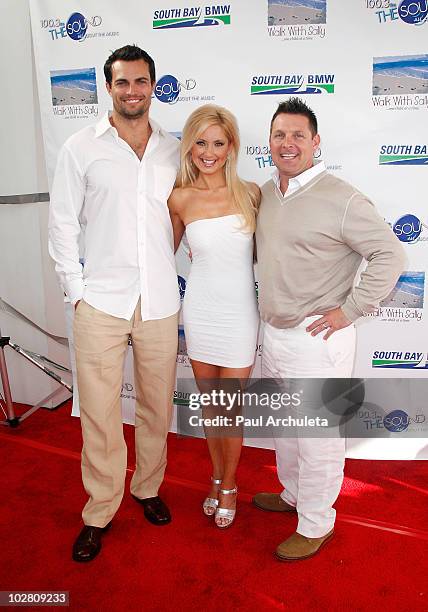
[[129, 53], [296, 106]]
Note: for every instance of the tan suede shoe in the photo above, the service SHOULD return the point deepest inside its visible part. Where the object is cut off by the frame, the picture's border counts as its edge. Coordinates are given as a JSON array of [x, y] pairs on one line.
[[299, 547], [272, 502]]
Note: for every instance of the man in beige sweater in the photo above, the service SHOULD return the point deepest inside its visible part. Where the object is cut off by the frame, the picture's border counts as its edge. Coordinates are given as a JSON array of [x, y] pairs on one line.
[[313, 232]]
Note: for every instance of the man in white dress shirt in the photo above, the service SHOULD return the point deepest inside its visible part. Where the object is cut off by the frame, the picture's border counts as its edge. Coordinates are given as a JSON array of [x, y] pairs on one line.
[[110, 192], [313, 231]]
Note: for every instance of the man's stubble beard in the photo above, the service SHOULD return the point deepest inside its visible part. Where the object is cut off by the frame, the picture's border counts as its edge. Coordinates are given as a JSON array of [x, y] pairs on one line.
[[132, 115]]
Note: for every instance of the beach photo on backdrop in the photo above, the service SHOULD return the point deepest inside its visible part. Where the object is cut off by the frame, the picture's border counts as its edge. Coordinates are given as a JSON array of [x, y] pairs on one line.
[[296, 12], [402, 74], [74, 86]]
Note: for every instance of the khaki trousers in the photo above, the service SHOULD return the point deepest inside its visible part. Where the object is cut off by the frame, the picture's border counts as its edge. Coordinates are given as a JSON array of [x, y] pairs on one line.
[[101, 342]]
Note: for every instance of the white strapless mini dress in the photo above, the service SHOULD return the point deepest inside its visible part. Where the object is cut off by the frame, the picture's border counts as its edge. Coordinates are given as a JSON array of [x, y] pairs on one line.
[[220, 312]]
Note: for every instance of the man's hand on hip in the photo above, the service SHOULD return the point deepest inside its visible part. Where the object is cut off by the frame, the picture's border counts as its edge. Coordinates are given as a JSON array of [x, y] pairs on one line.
[[330, 322]]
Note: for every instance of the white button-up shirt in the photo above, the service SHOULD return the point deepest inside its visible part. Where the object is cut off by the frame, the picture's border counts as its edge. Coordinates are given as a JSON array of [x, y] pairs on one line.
[[299, 181], [115, 206]]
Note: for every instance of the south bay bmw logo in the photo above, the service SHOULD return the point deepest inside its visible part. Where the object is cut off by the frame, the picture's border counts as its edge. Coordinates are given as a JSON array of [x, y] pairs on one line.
[[282, 84], [401, 155], [191, 17]]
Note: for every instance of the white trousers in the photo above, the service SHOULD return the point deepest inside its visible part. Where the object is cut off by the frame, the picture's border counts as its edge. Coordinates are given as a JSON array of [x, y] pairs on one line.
[[310, 469]]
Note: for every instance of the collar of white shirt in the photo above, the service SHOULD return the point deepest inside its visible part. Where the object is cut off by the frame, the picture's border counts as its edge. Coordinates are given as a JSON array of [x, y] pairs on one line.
[[299, 181], [104, 125]]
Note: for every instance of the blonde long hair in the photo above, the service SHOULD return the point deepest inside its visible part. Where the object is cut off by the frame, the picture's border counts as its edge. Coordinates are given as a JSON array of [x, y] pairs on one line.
[[202, 118]]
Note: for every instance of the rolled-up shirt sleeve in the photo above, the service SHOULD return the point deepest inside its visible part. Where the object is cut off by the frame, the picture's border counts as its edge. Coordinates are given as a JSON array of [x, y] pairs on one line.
[[66, 202], [368, 234]]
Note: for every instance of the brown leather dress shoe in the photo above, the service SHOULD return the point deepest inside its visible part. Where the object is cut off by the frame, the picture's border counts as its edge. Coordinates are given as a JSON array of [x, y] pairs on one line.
[[88, 543], [155, 510], [298, 546], [272, 502]]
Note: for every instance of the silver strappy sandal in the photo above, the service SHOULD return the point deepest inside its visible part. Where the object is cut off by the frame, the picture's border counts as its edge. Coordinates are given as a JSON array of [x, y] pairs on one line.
[[210, 503], [227, 514]]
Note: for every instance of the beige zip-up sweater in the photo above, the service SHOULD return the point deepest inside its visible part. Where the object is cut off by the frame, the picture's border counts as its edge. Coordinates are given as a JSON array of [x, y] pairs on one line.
[[310, 246]]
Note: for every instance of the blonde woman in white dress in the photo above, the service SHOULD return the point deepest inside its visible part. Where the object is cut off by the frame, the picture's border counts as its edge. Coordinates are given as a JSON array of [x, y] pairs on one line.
[[218, 212]]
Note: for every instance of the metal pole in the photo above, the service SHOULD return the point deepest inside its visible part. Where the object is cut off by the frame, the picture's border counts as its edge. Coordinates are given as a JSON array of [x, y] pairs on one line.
[[11, 419], [5, 382], [46, 370]]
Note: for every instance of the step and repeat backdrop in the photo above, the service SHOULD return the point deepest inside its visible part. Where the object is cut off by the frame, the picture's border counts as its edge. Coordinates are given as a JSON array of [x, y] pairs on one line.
[[362, 65]]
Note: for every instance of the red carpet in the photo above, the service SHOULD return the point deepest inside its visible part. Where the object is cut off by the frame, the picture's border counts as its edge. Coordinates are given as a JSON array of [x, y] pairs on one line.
[[377, 560]]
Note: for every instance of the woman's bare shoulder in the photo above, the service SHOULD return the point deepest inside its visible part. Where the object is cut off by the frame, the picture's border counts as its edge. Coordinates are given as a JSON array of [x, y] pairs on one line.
[[178, 198]]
